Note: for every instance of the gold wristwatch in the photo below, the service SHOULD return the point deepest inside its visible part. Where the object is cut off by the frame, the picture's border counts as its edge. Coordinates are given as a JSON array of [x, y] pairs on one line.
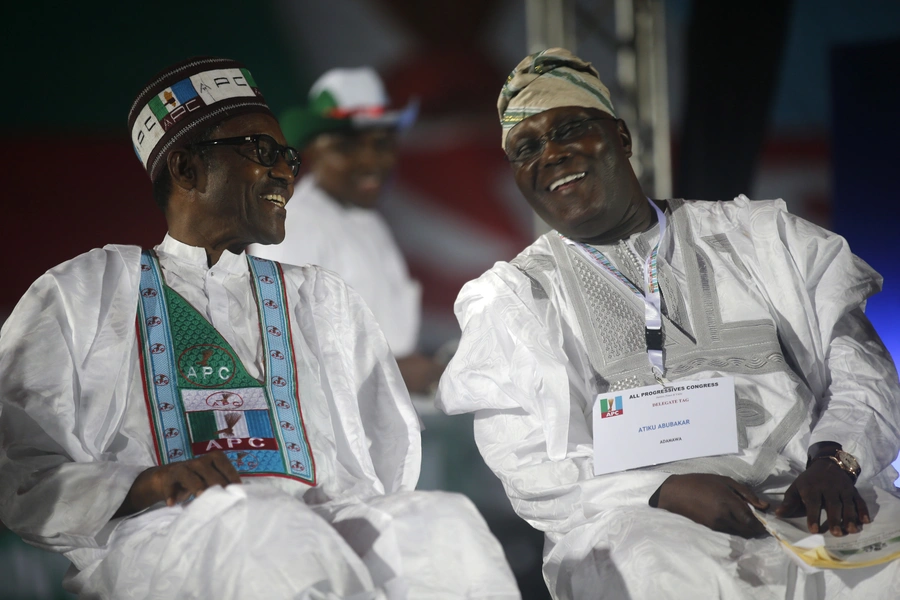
[[844, 460]]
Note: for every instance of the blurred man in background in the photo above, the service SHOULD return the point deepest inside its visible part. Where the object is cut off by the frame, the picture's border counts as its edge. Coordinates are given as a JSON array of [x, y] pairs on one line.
[[348, 135], [191, 422], [629, 297]]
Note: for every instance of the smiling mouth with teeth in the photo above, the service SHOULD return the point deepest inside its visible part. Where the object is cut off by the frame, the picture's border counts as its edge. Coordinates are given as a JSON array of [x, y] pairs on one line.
[[564, 180], [276, 199]]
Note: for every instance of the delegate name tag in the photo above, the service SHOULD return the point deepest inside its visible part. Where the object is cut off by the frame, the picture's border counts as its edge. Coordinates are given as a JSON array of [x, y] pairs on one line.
[[655, 424]]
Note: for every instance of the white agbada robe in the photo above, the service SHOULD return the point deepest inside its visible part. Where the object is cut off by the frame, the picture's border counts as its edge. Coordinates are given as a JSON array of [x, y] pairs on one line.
[[75, 433], [357, 244], [749, 291]]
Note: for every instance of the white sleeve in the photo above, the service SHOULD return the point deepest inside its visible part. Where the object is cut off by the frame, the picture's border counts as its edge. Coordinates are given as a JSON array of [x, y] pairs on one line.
[[861, 408], [59, 482], [377, 415], [837, 349], [512, 370]]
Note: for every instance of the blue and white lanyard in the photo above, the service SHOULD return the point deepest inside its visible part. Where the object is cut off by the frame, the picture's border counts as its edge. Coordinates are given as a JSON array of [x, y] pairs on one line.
[[650, 295]]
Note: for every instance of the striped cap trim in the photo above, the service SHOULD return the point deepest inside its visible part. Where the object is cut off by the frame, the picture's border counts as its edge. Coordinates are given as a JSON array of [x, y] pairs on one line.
[[198, 92]]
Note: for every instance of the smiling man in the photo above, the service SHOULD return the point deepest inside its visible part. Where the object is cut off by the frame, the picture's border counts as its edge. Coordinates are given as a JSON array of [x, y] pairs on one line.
[[348, 133], [734, 307], [140, 389]]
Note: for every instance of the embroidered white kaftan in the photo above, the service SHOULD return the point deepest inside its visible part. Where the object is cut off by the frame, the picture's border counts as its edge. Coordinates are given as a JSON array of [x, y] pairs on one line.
[[357, 244], [749, 291], [75, 433]]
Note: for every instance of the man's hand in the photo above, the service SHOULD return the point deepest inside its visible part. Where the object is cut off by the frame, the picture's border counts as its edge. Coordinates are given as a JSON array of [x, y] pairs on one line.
[[176, 482], [420, 373], [716, 501], [825, 485]]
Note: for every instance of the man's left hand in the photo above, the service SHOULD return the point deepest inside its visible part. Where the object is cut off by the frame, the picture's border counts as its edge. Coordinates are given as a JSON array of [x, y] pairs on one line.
[[825, 485]]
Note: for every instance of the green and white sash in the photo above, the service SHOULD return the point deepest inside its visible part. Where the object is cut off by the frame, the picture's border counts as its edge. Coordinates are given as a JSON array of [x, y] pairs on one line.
[[200, 397]]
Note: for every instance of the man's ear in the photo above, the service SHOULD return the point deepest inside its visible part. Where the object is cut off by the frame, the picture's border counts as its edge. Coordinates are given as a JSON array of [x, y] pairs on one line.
[[186, 169], [624, 136]]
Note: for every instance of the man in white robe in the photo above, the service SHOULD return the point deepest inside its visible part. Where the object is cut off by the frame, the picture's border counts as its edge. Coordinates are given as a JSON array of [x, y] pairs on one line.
[[85, 467], [748, 291], [348, 134]]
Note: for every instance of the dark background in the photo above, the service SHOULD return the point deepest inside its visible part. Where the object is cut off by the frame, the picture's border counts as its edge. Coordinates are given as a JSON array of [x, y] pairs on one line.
[[773, 99]]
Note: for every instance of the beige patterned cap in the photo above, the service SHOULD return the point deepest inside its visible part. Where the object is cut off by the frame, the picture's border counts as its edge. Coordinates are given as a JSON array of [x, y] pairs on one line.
[[549, 79]]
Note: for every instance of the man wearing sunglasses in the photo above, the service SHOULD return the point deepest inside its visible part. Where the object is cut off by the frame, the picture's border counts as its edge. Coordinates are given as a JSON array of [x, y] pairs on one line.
[[652, 308], [193, 422]]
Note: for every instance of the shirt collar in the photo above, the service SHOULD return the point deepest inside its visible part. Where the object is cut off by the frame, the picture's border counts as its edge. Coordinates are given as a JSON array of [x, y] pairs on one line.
[[195, 256]]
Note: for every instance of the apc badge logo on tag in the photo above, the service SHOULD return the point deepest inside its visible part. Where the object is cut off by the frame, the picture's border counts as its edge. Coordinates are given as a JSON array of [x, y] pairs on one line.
[[611, 407]]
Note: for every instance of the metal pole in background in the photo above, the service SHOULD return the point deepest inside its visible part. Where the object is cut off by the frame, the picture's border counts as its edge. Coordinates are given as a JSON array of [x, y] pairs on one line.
[[641, 70], [550, 24], [653, 91], [628, 106], [641, 74]]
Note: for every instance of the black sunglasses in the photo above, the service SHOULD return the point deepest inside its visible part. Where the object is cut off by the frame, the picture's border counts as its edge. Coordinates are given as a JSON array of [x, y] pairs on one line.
[[267, 149]]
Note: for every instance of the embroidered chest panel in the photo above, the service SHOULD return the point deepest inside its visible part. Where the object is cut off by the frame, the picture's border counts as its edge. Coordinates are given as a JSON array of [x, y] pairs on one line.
[[200, 397], [612, 322]]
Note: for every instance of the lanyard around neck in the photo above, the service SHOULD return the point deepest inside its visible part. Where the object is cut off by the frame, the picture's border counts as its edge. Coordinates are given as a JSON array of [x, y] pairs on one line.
[[653, 333]]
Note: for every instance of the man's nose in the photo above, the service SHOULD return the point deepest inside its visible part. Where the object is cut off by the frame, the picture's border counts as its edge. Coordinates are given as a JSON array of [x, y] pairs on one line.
[[282, 170], [367, 155], [553, 152]]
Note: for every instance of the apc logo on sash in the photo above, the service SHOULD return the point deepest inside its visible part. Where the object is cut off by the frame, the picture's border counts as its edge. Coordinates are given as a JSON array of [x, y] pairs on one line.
[[611, 407], [207, 365]]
